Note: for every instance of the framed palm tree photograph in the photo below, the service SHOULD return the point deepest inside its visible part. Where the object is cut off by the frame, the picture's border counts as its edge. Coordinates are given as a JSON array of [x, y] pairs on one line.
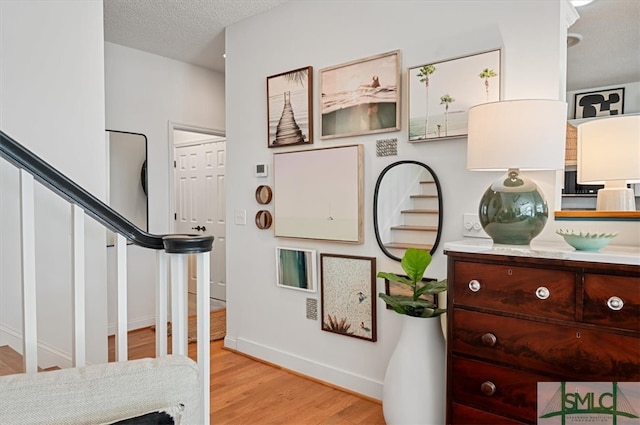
[[289, 108], [441, 93]]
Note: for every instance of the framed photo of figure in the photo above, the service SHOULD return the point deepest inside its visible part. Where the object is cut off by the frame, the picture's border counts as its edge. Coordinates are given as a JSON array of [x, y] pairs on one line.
[[361, 96]]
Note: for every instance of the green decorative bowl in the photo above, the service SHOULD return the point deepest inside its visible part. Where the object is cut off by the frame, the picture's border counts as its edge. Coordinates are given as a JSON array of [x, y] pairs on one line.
[[586, 241]]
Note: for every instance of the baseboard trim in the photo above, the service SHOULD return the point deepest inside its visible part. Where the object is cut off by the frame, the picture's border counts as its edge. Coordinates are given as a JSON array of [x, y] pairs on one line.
[[48, 356], [133, 325], [318, 372]]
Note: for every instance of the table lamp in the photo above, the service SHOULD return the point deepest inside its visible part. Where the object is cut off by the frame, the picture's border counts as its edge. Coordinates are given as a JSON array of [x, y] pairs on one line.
[[515, 135], [609, 154]]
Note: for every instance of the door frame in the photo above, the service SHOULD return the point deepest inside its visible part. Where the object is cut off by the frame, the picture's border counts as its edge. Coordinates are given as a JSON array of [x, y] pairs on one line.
[[183, 127]]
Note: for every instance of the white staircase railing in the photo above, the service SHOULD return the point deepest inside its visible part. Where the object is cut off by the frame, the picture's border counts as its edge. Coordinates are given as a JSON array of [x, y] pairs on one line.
[[172, 259]]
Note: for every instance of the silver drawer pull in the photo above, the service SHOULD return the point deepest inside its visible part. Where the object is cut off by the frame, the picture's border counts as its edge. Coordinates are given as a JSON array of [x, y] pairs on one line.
[[474, 285], [615, 303], [488, 388], [489, 339], [542, 293]]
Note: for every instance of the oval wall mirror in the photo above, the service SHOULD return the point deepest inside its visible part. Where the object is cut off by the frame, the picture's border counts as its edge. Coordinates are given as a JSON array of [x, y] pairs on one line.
[[407, 208]]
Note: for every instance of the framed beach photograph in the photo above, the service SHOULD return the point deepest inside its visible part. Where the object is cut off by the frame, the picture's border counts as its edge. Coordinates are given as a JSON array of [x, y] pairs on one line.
[[296, 268], [441, 93], [320, 194], [599, 103], [361, 97], [289, 108], [348, 295]]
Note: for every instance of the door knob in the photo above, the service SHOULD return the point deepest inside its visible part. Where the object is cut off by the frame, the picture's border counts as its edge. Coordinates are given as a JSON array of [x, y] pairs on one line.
[[199, 228]]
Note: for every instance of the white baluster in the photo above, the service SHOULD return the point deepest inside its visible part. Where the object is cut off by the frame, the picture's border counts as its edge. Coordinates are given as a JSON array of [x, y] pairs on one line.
[[204, 324], [29, 309], [121, 298], [161, 305], [78, 279], [178, 304]]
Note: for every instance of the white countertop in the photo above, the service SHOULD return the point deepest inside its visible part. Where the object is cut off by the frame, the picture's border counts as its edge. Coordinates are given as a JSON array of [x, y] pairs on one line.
[[616, 254]]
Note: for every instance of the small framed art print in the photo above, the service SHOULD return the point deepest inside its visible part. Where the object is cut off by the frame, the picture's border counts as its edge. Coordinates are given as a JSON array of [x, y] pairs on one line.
[[296, 268]]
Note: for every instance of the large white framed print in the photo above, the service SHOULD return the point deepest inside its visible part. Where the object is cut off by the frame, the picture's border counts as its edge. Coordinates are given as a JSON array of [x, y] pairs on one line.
[[319, 194]]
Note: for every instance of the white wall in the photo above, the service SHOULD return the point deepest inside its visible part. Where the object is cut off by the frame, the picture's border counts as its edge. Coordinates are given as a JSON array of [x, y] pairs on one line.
[[52, 101], [269, 322], [144, 92]]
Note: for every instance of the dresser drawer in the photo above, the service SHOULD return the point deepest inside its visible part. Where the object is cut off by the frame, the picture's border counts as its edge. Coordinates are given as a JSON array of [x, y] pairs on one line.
[[465, 415], [494, 389], [602, 297], [571, 351], [515, 289]]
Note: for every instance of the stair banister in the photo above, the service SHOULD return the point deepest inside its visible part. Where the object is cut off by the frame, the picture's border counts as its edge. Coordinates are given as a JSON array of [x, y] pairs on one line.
[[28, 257], [78, 281], [57, 182], [33, 168]]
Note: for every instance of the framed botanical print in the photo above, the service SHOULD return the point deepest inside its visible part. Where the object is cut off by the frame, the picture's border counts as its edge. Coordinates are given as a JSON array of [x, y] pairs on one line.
[[348, 295]]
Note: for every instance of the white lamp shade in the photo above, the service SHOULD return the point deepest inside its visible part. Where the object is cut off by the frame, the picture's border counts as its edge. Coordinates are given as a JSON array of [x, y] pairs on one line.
[[528, 134], [609, 149]]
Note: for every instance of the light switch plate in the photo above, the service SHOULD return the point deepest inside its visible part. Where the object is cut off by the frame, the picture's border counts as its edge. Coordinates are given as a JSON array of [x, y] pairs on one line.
[[241, 217]]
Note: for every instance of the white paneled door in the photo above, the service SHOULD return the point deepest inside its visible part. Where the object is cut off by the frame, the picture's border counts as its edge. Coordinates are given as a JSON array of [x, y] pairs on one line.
[[200, 205]]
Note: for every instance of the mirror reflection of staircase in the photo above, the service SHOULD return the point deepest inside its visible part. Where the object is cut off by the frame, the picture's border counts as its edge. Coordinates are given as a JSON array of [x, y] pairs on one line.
[[419, 223]]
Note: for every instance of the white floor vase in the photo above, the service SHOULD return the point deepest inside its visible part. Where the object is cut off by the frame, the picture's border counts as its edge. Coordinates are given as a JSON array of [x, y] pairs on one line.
[[414, 384]]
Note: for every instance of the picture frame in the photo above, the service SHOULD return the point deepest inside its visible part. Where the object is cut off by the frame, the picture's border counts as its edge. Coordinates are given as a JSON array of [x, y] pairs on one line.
[[441, 93], [290, 108], [296, 269], [395, 288], [598, 103], [348, 299], [361, 96], [320, 194]]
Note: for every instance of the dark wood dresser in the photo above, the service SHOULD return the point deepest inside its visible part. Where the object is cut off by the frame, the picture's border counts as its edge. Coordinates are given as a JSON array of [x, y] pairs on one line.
[[517, 317]]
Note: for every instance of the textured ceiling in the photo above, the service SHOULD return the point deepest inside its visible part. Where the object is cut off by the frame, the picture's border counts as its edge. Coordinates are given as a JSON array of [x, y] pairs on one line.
[[609, 52], [190, 31]]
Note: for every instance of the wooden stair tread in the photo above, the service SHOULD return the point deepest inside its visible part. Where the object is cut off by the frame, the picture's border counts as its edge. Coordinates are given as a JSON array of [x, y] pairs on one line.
[[49, 369], [402, 245], [418, 228], [10, 361], [419, 211]]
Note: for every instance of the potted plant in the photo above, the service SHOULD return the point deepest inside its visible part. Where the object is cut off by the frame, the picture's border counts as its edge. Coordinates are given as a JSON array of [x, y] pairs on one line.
[[414, 386]]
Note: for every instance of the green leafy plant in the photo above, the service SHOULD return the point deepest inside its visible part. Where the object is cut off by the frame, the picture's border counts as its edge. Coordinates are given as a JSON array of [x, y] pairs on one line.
[[414, 263]]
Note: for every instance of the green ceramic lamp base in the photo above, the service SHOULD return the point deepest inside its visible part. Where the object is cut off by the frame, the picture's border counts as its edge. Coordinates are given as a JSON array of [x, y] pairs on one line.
[[513, 210]]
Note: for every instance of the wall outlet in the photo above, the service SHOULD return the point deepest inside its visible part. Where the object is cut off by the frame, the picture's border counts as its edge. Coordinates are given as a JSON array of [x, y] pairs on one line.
[[472, 228], [241, 217]]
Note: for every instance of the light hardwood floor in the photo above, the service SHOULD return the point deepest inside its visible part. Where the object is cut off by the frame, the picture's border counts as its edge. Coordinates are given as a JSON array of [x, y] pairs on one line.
[[246, 391]]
